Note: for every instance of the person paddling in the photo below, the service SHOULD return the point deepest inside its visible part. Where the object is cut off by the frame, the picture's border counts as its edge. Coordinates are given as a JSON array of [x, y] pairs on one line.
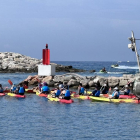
[[21, 90], [1, 88], [81, 89], [96, 92], [13, 88], [45, 89], [126, 91], [56, 93], [115, 94], [66, 94], [105, 89]]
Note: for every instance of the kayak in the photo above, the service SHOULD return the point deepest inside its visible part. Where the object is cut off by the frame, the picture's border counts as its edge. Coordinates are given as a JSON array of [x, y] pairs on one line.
[[101, 95], [6, 91], [103, 99], [61, 100], [2, 94], [130, 96], [41, 94], [83, 97], [16, 95], [29, 91]]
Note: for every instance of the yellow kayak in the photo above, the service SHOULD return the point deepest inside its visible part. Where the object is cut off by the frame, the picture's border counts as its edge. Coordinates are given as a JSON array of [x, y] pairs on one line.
[[103, 99], [16, 95], [54, 99], [83, 97]]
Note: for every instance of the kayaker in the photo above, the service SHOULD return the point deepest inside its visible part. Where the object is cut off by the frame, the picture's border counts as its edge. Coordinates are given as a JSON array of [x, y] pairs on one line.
[[21, 90], [66, 85], [96, 92], [81, 89], [115, 94], [61, 85], [57, 92], [13, 88], [25, 84], [105, 89], [45, 89], [1, 88], [126, 91], [67, 95]]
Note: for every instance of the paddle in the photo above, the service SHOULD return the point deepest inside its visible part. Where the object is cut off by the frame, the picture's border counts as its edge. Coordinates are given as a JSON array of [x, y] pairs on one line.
[[38, 80], [10, 82]]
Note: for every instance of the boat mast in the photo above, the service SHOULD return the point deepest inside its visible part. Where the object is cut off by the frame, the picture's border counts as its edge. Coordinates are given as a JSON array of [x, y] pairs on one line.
[[134, 48]]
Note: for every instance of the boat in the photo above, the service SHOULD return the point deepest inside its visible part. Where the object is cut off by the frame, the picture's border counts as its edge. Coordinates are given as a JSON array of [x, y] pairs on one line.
[[29, 91], [102, 71], [114, 66], [83, 97], [41, 94], [61, 100], [103, 99], [130, 96], [2, 94], [16, 95]]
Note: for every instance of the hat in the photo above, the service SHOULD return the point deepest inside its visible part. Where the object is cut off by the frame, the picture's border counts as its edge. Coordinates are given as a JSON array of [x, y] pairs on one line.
[[126, 85], [116, 88], [104, 84]]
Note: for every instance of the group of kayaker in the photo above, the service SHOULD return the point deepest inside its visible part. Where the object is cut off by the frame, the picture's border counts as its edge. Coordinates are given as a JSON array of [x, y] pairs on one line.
[[18, 89]]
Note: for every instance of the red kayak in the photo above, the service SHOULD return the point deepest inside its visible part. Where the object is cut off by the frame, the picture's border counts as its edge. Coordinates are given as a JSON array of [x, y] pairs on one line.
[[2, 94], [66, 101], [43, 95], [130, 96]]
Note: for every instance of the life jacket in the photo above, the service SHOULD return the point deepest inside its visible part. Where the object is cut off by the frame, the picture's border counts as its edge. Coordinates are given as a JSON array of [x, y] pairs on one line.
[[97, 94], [14, 88], [118, 93], [21, 90], [128, 91], [67, 94], [58, 93], [82, 90], [45, 88]]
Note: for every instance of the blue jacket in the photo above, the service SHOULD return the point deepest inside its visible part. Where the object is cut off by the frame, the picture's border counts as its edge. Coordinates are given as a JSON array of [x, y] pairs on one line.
[[97, 94], [67, 94], [45, 88], [21, 90]]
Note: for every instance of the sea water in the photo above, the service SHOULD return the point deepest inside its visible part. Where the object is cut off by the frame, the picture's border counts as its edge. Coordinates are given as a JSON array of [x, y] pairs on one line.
[[36, 118]]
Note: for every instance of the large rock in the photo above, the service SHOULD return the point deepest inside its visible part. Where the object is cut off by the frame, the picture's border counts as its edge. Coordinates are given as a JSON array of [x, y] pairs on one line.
[[113, 81], [73, 82], [84, 83]]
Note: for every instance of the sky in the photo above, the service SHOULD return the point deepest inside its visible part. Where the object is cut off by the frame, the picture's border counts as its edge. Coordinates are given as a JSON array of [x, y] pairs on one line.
[[75, 30]]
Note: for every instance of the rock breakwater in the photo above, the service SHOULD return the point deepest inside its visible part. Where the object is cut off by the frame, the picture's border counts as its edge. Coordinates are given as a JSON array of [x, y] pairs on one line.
[[14, 62], [73, 80]]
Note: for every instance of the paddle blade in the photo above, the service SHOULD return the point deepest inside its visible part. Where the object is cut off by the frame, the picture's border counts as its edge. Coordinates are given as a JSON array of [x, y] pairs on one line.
[[10, 82], [110, 89]]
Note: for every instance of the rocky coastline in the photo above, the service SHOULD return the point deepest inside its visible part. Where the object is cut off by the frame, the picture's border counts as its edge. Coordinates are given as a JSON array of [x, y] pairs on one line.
[[73, 80], [14, 62]]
